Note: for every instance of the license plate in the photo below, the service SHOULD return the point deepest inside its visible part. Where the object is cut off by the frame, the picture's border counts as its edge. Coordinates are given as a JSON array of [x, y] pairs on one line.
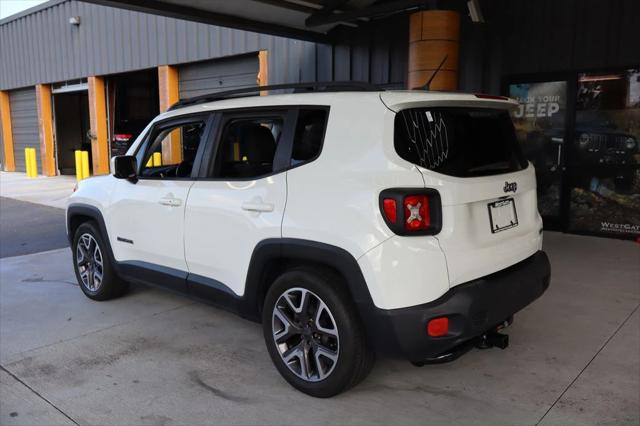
[[502, 215]]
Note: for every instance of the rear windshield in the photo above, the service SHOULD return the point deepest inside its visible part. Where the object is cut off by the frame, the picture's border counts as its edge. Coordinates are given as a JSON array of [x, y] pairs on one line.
[[461, 142]]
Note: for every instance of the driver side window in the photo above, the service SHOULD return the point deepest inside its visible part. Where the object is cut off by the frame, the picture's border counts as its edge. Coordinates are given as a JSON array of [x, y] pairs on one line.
[[172, 151]]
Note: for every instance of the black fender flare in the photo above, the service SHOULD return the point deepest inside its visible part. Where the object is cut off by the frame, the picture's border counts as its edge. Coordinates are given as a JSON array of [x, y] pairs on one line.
[[93, 213], [306, 251]]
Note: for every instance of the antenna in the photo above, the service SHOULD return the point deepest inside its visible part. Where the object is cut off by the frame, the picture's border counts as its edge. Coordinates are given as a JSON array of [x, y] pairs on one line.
[[428, 83]]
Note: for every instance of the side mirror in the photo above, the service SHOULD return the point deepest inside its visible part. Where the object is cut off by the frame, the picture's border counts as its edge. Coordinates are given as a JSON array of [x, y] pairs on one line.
[[124, 167]]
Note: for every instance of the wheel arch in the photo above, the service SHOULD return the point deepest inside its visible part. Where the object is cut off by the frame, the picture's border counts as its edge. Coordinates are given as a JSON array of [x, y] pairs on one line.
[[272, 257], [78, 214]]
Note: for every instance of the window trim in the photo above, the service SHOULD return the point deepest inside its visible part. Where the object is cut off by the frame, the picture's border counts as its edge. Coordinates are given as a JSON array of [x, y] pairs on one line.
[[159, 126], [327, 109], [284, 150], [223, 117]]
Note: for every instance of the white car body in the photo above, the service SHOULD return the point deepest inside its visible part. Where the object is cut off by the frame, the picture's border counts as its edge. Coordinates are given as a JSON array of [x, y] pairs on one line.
[[343, 210]]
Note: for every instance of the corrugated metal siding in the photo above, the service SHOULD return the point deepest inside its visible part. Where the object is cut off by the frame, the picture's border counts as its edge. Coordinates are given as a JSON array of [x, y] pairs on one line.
[[520, 36], [24, 124], [44, 48], [219, 74]]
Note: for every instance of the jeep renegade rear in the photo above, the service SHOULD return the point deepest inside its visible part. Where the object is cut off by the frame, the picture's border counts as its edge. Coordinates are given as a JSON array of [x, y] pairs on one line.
[[348, 223]]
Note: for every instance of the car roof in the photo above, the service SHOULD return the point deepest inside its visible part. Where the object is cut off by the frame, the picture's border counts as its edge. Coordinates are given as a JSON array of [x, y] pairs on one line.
[[393, 99]]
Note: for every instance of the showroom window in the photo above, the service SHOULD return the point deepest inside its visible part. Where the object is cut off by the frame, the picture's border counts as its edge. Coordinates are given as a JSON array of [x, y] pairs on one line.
[[540, 121], [582, 131], [605, 183]]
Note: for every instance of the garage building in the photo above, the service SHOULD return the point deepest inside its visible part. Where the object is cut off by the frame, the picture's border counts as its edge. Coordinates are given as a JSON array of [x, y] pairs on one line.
[[91, 74]]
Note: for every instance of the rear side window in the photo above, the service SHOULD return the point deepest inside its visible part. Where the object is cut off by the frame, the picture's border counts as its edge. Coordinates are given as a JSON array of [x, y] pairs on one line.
[[248, 147], [461, 142], [307, 142]]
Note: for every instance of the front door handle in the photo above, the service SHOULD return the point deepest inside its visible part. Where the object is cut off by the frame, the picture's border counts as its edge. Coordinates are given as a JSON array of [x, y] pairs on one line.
[[257, 205], [169, 201]]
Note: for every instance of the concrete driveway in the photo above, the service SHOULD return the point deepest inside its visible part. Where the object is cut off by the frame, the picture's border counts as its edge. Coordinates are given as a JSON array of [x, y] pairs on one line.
[[30, 228], [154, 358]]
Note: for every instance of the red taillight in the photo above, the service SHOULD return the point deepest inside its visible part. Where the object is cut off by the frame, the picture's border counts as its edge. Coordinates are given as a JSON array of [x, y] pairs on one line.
[[390, 210], [438, 327], [411, 211], [416, 212]]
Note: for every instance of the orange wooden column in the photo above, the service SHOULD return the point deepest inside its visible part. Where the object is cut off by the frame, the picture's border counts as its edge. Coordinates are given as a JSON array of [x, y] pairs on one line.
[[7, 133], [263, 70], [434, 34], [169, 95], [45, 129], [98, 123]]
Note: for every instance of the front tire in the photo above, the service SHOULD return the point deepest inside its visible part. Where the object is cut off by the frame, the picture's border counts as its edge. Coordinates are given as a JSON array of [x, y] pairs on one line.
[[313, 335], [93, 264]]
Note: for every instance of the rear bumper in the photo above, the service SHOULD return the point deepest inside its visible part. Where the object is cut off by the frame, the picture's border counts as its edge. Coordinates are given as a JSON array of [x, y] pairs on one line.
[[472, 308]]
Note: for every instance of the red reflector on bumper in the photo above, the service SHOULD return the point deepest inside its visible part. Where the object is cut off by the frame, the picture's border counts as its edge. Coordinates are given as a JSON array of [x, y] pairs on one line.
[[438, 327]]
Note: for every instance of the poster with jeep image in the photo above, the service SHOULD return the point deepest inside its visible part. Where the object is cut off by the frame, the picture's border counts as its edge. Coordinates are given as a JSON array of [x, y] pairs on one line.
[[539, 121], [605, 173]]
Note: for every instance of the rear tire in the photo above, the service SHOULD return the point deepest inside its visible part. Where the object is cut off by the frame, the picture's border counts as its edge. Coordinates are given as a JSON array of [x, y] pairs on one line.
[[324, 341], [93, 264]]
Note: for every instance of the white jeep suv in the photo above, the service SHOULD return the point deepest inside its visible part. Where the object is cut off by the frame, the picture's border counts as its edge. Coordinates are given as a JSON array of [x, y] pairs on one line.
[[347, 222]]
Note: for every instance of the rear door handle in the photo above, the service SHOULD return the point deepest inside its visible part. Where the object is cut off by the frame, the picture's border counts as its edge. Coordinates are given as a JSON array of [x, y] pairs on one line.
[[257, 205], [172, 202]]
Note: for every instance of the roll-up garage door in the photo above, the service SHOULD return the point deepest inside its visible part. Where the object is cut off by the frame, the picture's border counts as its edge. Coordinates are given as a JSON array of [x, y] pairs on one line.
[[220, 74], [24, 125]]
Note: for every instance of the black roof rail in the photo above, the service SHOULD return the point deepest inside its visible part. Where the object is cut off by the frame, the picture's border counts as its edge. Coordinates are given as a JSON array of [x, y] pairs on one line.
[[321, 86]]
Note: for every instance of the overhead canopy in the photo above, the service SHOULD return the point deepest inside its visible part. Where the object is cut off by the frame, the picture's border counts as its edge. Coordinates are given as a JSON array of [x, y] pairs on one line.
[[305, 19]]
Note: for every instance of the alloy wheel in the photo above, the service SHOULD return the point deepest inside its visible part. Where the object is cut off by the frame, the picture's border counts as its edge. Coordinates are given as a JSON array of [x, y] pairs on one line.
[[89, 262], [305, 334]]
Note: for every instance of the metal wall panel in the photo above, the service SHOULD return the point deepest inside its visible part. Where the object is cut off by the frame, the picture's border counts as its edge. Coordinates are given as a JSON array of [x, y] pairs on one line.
[[44, 48], [201, 78], [548, 36], [24, 124], [519, 36]]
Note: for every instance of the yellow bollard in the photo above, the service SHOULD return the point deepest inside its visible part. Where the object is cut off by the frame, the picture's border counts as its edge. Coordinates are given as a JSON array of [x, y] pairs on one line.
[[150, 162], [85, 164], [157, 159], [27, 161], [30, 162], [34, 163], [78, 155]]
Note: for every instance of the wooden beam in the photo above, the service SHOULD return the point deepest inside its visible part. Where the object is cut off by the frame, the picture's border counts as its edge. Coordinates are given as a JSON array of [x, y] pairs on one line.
[[263, 70], [98, 122], [433, 36], [169, 94], [168, 82], [7, 133], [45, 129]]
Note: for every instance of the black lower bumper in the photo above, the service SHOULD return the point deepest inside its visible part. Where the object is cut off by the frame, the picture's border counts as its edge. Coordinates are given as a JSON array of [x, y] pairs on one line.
[[473, 308]]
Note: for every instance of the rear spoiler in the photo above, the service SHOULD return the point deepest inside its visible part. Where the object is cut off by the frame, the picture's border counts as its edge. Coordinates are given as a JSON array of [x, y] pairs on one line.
[[399, 100]]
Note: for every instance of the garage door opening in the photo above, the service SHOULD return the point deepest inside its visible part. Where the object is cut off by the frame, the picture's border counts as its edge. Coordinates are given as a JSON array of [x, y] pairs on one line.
[[71, 112], [133, 102]]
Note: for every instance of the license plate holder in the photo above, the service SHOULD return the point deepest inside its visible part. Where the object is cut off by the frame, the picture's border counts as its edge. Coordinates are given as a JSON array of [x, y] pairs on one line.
[[502, 215]]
